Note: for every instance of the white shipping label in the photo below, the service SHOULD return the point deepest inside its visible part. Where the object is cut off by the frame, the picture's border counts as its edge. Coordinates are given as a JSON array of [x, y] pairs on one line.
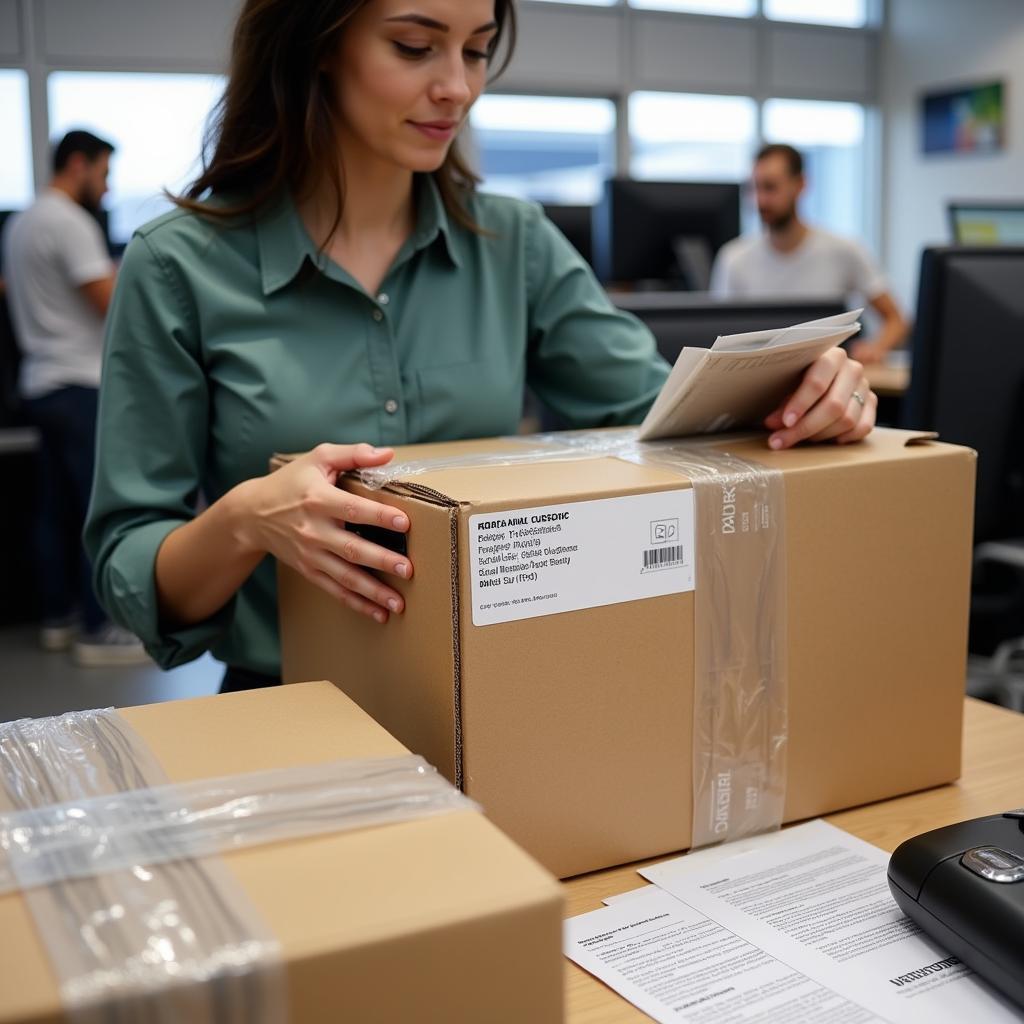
[[560, 558]]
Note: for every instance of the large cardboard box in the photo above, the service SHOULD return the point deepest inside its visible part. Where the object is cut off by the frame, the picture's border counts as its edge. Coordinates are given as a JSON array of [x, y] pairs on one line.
[[574, 730], [439, 919]]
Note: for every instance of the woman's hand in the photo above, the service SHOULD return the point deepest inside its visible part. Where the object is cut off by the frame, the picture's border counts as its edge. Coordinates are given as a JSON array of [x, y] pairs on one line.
[[298, 515], [834, 402]]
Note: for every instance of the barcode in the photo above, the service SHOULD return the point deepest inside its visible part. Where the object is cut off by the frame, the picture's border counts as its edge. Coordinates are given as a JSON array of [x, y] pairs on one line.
[[663, 558]]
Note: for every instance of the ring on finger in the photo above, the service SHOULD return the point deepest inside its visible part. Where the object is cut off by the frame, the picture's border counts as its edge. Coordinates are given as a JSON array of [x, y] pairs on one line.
[[860, 398]]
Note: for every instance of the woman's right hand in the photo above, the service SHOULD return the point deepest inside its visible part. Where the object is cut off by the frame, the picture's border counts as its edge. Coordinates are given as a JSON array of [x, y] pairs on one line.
[[298, 514]]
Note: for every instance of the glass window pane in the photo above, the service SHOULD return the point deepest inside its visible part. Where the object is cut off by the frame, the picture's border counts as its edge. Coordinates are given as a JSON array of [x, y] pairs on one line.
[[852, 13], [548, 148], [156, 122], [731, 8], [691, 137], [830, 136], [16, 188], [590, 3]]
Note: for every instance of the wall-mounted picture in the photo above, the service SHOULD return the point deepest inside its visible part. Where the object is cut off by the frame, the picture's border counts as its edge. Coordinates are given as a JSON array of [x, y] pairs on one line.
[[969, 119]]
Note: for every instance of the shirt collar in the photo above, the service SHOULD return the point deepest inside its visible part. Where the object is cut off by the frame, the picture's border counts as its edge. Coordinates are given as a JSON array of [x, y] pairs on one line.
[[284, 245]]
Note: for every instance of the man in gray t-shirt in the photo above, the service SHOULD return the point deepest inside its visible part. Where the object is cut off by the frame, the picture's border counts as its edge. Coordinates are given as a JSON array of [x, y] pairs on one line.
[[59, 280], [793, 259]]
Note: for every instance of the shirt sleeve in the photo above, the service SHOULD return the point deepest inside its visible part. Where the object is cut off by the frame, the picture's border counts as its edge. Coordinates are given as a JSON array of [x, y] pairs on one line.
[[150, 444], [591, 363], [866, 277], [84, 251]]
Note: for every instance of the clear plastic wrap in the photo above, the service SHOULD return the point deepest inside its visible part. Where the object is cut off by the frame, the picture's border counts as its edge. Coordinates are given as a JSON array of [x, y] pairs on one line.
[[740, 665], [165, 823], [522, 450], [140, 920], [740, 698]]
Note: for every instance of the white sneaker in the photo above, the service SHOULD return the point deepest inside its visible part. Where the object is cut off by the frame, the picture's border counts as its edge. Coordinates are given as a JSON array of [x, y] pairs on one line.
[[109, 645], [57, 634]]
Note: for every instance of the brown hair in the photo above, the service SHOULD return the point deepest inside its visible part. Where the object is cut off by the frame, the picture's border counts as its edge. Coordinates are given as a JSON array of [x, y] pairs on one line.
[[794, 161], [273, 126]]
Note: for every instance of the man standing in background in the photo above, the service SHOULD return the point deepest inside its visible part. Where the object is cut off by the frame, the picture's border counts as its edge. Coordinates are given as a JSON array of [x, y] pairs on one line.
[[795, 260], [60, 280]]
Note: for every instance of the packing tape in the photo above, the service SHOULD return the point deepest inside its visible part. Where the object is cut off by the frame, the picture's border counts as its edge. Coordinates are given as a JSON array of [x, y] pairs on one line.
[[740, 729], [140, 919]]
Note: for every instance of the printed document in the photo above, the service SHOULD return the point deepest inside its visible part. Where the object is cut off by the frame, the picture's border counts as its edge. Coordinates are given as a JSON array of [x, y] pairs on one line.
[[796, 926], [741, 378]]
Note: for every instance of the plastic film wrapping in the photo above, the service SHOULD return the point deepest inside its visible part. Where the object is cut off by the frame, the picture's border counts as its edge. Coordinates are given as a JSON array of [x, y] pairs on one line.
[[522, 450], [161, 943], [166, 823], [140, 920], [740, 660], [740, 700]]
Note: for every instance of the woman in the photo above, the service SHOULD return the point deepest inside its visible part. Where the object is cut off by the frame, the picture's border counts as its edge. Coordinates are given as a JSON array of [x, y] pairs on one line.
[[332, 276]]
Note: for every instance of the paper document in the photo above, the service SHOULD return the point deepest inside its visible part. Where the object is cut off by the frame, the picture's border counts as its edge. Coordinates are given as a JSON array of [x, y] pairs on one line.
[[677, 964], [741, 378], [817, 898], [795, 927]]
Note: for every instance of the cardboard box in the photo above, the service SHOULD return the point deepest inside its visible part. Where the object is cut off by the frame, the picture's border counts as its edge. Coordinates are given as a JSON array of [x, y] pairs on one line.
[[441, 919], [574, 730]]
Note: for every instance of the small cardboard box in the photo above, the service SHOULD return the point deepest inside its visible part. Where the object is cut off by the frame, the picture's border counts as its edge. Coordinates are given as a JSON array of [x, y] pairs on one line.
[[438, 919], [574, 730]]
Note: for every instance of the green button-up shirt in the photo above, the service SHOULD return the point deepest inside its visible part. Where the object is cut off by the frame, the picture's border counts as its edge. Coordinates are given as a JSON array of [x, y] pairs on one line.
[[226, 344]]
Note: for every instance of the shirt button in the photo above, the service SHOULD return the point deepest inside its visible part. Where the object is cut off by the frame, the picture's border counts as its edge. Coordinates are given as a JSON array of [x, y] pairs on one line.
[[378, 315], [383, 298], [391, 407]]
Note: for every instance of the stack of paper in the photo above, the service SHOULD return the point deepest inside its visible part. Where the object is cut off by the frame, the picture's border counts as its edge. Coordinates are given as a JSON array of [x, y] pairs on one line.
[[741, 378], [795, 927]]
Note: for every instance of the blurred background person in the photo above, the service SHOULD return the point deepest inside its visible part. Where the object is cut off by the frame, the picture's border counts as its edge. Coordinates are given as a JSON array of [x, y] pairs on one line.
[[794, 259], [59, 279]]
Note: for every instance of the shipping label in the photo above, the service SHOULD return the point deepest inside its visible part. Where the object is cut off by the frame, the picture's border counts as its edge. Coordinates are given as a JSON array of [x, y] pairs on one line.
[[562, 558]]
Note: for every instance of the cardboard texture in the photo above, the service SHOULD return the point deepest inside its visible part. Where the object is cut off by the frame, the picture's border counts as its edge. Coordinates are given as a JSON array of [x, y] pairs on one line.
[[574, 730], [442, 919]]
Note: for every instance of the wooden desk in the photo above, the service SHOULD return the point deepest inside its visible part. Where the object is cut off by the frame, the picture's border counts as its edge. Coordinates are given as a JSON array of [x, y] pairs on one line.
[[888, 381], [993, 781]]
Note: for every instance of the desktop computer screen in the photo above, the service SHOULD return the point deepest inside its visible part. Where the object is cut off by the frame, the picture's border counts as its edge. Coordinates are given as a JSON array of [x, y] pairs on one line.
[[968, 372], [663, 233], [575, 223], [987, 223]]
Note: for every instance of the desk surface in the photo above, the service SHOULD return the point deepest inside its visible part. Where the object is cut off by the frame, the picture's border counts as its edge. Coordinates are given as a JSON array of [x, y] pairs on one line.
[[993, 781]]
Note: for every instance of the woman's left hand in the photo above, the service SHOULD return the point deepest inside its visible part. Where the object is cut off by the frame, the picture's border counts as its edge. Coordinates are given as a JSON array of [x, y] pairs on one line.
[[834, 402]]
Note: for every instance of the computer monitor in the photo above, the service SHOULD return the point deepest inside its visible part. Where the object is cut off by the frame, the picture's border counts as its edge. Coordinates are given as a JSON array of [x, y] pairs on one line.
[[967, 381], [981, 223], [663, 233], [575, 223]]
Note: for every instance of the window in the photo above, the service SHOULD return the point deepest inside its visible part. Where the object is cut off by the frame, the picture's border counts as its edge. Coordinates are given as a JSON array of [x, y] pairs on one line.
[[16, 189], [587, 3], [691, 137], [156, 122], [550, 149], [850, 13], [831, 137], [730, 8]]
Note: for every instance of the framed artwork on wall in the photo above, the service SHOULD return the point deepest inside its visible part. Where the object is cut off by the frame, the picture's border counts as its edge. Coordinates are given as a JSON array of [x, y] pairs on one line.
[[967, 119]]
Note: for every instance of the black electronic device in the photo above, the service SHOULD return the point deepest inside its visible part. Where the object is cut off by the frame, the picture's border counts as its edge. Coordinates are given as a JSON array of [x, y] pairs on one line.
[[963, 885], [967, 381], [575, 223], [663, 233]]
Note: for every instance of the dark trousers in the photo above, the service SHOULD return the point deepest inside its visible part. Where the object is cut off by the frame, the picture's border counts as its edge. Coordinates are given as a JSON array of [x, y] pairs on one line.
[[66, 420], [236, 679]]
